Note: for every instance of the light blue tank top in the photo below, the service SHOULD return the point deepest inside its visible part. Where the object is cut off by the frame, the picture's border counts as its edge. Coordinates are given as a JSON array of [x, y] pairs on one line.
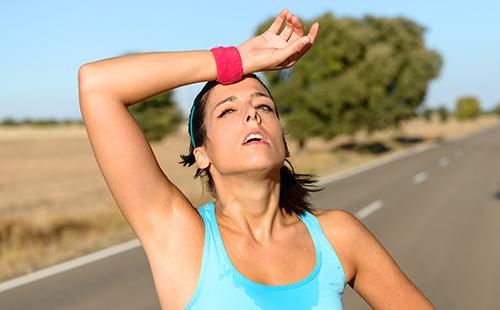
[[222, 286]]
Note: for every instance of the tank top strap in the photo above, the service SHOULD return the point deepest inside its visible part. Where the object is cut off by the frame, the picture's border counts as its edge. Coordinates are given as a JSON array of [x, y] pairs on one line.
[[326, 247], [207, 212], [314, 227]]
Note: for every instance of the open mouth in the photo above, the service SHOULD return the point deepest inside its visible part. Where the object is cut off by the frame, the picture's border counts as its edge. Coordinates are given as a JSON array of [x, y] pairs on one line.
[[254, 138]]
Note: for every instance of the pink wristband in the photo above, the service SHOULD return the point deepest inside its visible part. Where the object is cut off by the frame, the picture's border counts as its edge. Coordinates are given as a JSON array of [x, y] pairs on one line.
[[229, 65]]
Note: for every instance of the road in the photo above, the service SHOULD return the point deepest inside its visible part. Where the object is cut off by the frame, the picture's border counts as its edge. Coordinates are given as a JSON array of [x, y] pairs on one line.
[[437, 212]]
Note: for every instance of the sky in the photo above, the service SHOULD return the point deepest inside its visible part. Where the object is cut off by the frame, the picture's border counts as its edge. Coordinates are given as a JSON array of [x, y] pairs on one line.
[[43, 43]]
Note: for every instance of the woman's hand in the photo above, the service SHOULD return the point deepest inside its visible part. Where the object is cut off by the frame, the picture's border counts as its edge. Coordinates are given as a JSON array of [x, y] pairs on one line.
[[272, 50]]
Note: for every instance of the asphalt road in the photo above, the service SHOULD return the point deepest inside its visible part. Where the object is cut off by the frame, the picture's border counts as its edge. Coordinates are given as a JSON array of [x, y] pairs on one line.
[[436, 212]]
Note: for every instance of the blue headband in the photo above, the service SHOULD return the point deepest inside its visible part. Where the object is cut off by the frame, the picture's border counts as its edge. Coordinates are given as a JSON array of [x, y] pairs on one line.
[[191, 125]]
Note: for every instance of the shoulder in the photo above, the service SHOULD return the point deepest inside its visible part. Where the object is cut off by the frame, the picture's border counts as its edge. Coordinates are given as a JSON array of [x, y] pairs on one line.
[[343, 226], [342, 223], [333, 215]]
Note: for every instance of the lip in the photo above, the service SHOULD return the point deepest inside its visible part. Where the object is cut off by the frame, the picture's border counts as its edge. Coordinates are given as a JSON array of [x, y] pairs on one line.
[[264, 140], [255, 142]]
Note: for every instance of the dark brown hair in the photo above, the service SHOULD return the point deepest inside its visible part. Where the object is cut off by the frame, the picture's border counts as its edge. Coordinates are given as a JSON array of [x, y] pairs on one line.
[[295, 188]]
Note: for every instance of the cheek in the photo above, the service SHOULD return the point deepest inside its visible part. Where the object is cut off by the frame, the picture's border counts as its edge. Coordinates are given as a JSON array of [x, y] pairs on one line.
[[223, 137], [278, 131]]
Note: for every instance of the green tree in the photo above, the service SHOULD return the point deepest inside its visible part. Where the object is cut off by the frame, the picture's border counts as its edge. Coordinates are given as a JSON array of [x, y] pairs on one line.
[[157, 116], [368, 73], [467, 107], [443, 113]]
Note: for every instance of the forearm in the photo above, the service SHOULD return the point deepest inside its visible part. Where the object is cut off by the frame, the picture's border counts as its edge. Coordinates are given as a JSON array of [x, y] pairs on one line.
[[133, 78]]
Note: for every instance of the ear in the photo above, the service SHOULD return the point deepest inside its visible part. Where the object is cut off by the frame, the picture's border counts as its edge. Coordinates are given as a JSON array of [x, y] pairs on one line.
[[202, 160]]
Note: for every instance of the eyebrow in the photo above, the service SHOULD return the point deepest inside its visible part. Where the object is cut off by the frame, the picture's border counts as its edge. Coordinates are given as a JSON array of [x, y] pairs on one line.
[[231, 98]]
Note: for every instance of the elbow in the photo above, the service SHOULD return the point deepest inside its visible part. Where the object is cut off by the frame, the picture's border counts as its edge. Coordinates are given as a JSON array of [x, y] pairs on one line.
[[86, 79]]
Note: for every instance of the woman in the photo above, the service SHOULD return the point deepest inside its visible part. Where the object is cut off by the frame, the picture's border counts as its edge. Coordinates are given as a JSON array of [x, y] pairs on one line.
[[256, 246]]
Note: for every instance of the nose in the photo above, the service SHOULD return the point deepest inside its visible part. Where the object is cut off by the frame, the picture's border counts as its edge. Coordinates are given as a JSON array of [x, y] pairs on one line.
[[252, 115]]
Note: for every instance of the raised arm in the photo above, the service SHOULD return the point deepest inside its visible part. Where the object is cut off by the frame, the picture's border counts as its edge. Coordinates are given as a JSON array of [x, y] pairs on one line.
[[106, 87], [164, 220], [132, 78]]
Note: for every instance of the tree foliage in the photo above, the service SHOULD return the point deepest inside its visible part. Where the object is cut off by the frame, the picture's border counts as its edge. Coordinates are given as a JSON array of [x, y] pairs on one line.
[[467, 107], [157, 116], [368, 73]]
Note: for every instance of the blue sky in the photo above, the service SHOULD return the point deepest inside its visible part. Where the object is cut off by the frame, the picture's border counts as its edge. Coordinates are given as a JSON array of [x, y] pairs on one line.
[[45, 42]]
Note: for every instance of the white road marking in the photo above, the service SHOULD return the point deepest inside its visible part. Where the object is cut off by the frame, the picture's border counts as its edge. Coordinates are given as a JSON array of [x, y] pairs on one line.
[[47, 272], [419, 178], [374, 163], [443, 161], [369, 209]]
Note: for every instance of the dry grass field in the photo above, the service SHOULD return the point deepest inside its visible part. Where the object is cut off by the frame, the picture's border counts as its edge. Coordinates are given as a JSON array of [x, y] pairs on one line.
[[55, 205]]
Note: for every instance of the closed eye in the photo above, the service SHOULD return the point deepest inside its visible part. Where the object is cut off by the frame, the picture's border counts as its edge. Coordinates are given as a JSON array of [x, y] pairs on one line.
[[268, 107], [224, 112], [229, 109]]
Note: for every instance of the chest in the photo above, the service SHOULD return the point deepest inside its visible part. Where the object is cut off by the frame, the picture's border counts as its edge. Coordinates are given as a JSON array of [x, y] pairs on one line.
[[277, 262]]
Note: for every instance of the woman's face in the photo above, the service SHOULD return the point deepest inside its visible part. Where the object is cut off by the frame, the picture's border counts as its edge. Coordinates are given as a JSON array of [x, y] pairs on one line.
[[231, 112]]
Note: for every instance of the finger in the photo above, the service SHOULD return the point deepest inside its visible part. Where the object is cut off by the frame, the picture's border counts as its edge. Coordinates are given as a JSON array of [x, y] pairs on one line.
[[294, 48], [304, 50], [295, 57], [298, 29], [278, 22], [288, 30], [313, 32]]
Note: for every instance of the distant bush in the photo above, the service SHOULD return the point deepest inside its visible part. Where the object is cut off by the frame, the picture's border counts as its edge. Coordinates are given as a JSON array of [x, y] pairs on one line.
[[42, 122], [443, 113], [427, 114], [496, 110], [9, 121], [467, 108], [72, 121]]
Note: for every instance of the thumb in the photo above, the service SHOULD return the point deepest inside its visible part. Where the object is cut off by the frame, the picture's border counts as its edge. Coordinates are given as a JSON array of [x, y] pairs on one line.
[[294, 48]]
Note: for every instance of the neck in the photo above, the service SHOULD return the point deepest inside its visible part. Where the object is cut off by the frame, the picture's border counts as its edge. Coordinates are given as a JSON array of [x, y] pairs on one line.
[[250, 204]]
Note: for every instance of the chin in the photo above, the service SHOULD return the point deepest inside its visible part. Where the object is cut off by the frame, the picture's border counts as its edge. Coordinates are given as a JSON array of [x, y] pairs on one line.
[[263, 160], [264, 165]]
